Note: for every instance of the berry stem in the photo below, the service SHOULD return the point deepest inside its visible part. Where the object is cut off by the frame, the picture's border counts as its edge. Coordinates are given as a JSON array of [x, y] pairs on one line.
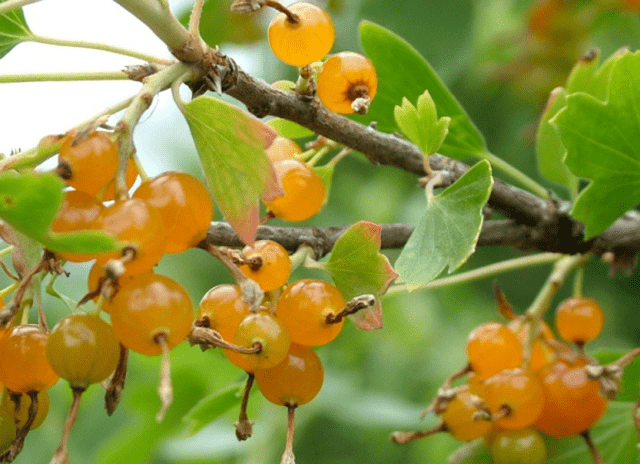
[[578, 281], [14, 307], [113, 394], [165, 390], [516, 174], [595, 454], [299, 257], [353, 306], [153, 85], [194, 19], [244, 425], [484, 272], [336, 159], [61, 455], [207, 338], [7, 290], [5, 251], [62, 77], [402, 438], [288, 457], [291, 17], [97, 46]]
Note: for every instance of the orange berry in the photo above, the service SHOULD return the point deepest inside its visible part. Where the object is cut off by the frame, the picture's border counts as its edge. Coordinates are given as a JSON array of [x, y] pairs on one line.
[[492, 347], [272, 335], [78, 211], [184, 204], [295, 381], [458, 416], [275, 267], [138, 224], [147, 306], [517, 390], [343, 78], [91, 162], [304, 306], [283, 148], [572, 402], [23, 360], [303, 42], [304, 191], [541, 353], [83, 349], [223, 308], [131, 174], [579, 320]]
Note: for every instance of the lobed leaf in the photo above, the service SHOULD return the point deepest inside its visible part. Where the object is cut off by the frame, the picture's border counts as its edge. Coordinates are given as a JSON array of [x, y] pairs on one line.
[[358, 268], [231, 145], [447, 233], [13, 30], [603, 145], [420, 123], [589, 77], [402, 72]]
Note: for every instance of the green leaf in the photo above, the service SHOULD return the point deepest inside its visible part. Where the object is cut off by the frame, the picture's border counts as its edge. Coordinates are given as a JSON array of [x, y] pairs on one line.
[[589, 77], [13, 29], [358, 268], [213, 406], [231, 145], [421, 124], [326, 174], [549, 147], [603, 144], [289, 129], [402, 72], [29, 203], [630, 378], [447, 233], [615, 437]]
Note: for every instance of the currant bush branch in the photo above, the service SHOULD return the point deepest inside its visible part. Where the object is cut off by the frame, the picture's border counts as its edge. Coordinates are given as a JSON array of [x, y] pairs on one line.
[[97, 46], [10, 5]]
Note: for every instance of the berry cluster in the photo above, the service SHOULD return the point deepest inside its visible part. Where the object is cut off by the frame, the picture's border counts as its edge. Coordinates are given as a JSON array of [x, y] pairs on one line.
[[273, 343], [303, 34], [522, 381]]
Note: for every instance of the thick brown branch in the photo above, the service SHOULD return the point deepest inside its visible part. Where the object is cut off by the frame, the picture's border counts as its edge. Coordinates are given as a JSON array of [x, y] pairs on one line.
[[623, 238]]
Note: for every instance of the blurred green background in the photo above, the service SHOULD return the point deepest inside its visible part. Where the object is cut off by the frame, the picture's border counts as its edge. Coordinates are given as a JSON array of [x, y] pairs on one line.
[[501, 59]]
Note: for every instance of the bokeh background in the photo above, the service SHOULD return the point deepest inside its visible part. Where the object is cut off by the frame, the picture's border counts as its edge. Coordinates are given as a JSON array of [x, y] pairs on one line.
[[500, 58]]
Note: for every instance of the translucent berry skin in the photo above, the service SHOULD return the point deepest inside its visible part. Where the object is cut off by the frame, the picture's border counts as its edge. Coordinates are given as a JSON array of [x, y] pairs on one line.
[[148, 305], [7, 429], [458, 417], [302, 43], [520, 391], [303, 308], [23, 414], [572, 402], [282, 148], [78, 211], [295, 381], [223, 307], [492, 347], [304, 191], [139, 225], [93, 162], [276, 264], [26, 345], [344, 77], [270, 333], [524, 446], [83, 349], [184, 204], [579, 320]]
